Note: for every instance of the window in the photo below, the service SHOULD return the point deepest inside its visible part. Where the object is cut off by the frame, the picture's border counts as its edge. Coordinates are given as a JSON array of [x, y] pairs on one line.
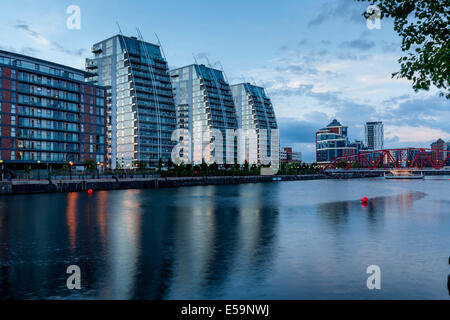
[[13, 132]]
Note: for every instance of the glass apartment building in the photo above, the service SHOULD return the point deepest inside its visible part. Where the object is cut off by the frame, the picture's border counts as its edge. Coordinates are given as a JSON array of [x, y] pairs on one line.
[[48, 113], [332, 142], [255, 112], [205, 106], [374, 135], [141, 109]]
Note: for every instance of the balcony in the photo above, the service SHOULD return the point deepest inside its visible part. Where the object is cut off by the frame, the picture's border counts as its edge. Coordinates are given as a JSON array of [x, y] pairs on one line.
[[96, 49], [91, 64]]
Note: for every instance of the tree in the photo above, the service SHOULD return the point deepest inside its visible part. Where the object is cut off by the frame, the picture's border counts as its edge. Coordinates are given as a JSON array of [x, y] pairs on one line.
[[27, 170], [204, 166], [169, 163], [141, 165], [424, 28], [214, 167], [89, 165]]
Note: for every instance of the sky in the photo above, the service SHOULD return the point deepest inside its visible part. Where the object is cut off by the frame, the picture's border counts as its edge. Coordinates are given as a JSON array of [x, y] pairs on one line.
[[318, 60]]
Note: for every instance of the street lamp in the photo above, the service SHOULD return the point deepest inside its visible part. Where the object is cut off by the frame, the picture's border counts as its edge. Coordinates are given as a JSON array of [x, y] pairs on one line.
[[70, 170], [39, 176]]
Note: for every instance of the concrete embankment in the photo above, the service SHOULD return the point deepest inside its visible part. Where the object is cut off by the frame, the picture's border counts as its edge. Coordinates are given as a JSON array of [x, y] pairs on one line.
[[46, 186]]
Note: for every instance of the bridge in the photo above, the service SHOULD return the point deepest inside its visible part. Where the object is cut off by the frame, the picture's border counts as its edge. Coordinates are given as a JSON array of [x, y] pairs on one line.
[[426, 160]]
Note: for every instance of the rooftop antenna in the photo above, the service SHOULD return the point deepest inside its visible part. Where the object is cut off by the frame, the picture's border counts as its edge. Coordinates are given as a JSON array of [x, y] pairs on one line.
[[207, 60], [155, 90], [160, 45], [223, 71], [195, 59], [118, 26]]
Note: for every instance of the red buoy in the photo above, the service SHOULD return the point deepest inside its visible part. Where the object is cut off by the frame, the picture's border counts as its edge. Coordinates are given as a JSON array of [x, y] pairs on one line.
[[90, 192], [364, 200]]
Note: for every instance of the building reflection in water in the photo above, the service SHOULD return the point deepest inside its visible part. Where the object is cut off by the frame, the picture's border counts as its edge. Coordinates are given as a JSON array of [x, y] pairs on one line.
[[336, 215], [102, 208], [257, 228], [194, 240], [213, 242], [219, 240], [123, 245], [71, 218], [151, 244]]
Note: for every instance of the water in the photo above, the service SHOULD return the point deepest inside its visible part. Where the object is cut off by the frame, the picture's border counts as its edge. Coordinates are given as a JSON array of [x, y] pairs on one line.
[[285, 240]]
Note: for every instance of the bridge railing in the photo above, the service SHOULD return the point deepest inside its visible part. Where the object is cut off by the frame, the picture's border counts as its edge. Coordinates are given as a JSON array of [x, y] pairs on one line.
[[410, 158]]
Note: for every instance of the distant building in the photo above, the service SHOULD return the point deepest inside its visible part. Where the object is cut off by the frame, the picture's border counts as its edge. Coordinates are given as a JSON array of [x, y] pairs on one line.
[[204, 105], [289, 156], [435, 146], [358, 145], [48, 113], [332, 142], [254, 111], [374, 135]]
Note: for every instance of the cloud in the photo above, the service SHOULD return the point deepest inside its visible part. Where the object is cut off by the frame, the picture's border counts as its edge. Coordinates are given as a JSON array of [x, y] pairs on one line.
[[359, 44], [432, 112], [300, 134], [299, 131], [29, 51], [392, 46], [353, 86], [33, 34], [414, 135], [302, 42], [42, 41], [24, 50], [348, 11]]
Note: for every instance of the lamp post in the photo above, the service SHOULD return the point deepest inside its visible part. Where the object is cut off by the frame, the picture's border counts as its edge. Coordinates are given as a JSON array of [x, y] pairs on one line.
[[2, 176], [39, 176], [70, 170]]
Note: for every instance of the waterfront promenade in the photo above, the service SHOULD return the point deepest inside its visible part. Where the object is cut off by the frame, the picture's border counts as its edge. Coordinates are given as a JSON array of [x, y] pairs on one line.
[[114, 183]]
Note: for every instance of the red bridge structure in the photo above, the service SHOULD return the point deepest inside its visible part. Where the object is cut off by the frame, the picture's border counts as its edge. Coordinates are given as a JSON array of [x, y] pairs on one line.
[[387, 159]]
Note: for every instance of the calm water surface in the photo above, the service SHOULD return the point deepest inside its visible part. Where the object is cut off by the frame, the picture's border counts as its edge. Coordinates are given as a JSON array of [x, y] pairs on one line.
[[288, 240]]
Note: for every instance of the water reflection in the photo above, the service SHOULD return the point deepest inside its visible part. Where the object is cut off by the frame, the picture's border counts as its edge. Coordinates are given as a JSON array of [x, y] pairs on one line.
[[209, 242], [71, 218], [337, 215]]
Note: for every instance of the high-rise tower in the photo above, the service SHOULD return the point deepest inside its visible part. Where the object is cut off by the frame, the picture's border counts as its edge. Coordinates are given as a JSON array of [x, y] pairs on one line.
[[255, 112], [205, 108], [374, 135], [141, 109]]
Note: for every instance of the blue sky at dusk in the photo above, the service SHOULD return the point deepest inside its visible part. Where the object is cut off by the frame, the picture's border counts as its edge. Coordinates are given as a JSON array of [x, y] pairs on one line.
[[317, 59]]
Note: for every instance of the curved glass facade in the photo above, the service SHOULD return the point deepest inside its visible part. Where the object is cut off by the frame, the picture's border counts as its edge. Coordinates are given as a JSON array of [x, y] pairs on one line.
[[141, 110], [204, 107], [255, 112]]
